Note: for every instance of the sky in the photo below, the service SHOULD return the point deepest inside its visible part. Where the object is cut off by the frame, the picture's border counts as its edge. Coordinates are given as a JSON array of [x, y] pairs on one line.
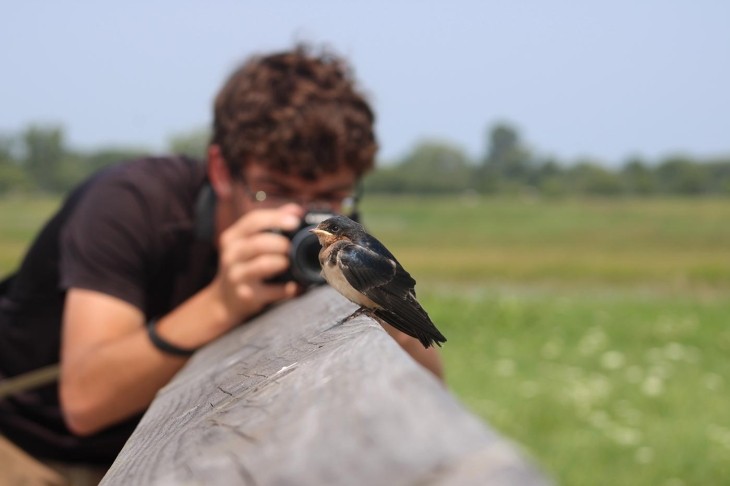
[[606, 80]]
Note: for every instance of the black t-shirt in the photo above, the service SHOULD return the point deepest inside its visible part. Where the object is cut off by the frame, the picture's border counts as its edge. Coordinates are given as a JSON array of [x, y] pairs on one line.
[[139, 231]]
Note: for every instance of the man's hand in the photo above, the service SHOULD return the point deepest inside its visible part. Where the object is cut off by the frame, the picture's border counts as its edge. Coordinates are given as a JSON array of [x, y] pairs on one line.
[[109, 368], [250, 254]]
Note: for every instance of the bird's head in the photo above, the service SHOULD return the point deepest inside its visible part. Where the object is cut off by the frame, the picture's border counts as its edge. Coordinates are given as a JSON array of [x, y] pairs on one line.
[[336, 228]]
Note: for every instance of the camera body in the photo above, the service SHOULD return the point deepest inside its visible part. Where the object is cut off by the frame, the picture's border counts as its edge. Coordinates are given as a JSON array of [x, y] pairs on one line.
[[304, 267]]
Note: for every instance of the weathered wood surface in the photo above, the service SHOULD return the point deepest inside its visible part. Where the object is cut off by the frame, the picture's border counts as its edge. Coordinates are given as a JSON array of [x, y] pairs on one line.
[[288, 399]]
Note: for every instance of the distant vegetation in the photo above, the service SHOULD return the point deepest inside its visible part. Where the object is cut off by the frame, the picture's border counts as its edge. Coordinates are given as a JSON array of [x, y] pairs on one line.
[[39, 159], [509, 167]]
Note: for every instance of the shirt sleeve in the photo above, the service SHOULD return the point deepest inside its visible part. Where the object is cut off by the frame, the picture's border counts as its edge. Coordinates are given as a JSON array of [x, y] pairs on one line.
[[108, 243]]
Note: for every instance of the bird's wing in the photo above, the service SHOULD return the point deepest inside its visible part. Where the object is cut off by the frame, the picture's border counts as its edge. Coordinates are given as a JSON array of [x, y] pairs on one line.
[[365, 269], [373, 244], [388, 284]]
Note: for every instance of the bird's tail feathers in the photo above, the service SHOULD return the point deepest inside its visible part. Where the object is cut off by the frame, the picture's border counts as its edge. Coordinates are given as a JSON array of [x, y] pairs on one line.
[[414, 325]]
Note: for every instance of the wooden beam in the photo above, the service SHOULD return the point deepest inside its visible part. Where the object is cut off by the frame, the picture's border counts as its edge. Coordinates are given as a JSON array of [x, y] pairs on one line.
[[291, 398]]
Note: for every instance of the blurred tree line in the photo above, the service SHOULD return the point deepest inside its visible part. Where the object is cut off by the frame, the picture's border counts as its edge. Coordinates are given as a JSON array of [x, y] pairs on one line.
[[39, 159], [508, 166]]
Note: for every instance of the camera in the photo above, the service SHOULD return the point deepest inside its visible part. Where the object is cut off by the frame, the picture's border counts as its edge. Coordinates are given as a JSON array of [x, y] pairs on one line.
[[304, 267]]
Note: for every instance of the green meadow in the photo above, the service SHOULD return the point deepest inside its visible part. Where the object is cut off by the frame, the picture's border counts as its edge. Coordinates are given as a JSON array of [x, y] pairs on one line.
[[592, 332]]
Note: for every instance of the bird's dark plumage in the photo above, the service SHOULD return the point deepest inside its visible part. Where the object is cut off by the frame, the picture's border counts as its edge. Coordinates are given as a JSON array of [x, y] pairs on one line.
[[362, 269]]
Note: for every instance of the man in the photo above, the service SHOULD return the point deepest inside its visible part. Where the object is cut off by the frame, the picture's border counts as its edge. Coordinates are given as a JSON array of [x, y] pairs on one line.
[[154, 258]]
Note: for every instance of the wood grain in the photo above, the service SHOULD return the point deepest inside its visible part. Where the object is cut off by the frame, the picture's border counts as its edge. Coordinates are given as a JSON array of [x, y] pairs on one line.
[[292, 398]]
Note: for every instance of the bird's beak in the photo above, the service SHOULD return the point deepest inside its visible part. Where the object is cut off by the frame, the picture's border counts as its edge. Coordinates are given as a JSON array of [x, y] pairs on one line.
[[320, 232]]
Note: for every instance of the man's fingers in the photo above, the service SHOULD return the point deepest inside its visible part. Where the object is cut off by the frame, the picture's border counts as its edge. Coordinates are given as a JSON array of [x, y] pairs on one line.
[[239, 251], [276, 292], [260, 268], [287, 218], [251, 254]]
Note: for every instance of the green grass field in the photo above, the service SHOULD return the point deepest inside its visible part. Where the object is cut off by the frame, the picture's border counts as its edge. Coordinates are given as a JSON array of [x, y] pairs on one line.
[[593, 332]]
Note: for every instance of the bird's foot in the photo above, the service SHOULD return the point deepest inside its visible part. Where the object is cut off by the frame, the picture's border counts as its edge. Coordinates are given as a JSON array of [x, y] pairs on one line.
[[359, 311]]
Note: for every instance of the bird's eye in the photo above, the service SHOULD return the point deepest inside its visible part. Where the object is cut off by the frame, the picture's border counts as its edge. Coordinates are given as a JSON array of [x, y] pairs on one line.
[[334, 228]]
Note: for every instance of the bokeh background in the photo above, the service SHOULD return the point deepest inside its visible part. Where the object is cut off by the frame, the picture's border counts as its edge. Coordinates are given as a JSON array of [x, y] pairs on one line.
[[555, 175]]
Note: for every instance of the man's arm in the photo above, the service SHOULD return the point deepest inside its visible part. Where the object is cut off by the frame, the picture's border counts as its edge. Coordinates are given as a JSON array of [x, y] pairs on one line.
[[109, 368]]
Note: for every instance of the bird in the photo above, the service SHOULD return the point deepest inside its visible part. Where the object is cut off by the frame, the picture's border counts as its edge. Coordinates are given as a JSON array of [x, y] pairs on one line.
[[364, 271]]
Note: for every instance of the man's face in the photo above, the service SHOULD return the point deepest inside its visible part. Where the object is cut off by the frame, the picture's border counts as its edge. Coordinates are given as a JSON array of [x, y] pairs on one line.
[[263, 188]]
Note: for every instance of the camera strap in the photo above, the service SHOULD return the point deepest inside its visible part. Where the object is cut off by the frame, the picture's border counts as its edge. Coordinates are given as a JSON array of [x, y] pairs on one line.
[[205, 213], [29, 381]]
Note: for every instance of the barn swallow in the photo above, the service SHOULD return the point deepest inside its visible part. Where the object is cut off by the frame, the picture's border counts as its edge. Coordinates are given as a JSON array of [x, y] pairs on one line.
[[362, 269]]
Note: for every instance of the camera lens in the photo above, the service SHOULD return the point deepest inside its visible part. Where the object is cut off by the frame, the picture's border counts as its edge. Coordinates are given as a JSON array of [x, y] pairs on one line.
[[304, 256]]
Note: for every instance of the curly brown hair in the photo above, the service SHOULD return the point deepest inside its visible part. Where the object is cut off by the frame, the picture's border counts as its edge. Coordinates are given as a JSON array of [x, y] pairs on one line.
[[296, 113]]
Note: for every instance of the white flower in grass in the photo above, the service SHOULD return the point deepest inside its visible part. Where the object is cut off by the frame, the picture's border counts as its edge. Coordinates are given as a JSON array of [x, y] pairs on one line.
[[588, 391], [551, 350], [675, 351], [644, 455], [662, 371], [505, 367], [599, 419], [625, 436], [592, 341], [612, 360], [719, 434], [713, 381], [653, 386]]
